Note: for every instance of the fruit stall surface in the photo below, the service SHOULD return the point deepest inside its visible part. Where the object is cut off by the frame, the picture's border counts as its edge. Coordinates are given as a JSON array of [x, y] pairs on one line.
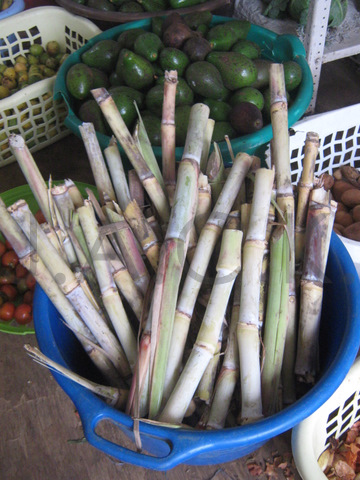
[[42, 436]]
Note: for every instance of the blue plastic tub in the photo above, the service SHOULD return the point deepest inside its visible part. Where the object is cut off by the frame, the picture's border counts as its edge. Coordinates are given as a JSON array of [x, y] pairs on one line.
[[168, 447], [279, 48], [16, 7]]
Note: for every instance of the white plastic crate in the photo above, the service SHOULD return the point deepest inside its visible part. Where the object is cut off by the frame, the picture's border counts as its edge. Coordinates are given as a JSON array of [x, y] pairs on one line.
[[339, 132], [31, 112], [312, 436]]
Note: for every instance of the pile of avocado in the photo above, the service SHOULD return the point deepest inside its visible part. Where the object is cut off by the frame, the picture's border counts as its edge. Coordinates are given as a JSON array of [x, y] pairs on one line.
[[134, 6], [216, 65]]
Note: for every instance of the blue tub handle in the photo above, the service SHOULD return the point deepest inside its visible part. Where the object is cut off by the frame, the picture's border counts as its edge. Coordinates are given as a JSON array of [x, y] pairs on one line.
[[181, 445]]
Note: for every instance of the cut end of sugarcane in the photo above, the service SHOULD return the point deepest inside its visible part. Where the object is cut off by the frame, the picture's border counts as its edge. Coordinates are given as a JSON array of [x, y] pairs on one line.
[[16, 141], [100, 94]]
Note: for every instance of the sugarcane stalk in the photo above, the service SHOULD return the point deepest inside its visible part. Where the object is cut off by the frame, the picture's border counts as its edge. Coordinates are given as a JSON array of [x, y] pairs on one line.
[[207, 144], [130, 209], [115, 396], [228, 266], [205, 388], [276, 321], [32, 173], [215, 172], [318, 227], [63, 202], [248, 334], [136, 188], [69, 285], [76, 230], [109, 293], [304, 187], [203, 208], [117, 124], [229, 372], [286, 203], [199, 264], [168, 134], [96, 160], [128, 247], [74, 193], [173, 253]]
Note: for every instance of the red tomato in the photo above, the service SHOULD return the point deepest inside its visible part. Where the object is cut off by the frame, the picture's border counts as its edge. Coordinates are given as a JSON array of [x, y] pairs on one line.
[[30, 281], [8, 245], [21, 285], [28, 297], [23, 314], [20, 271], [2, 248], [9, 290], [40, 217], [7, 311], [10, 259], [7, 275]]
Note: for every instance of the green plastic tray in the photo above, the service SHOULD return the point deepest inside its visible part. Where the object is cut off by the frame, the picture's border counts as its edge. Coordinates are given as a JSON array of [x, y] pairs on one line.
[[9, 197], [279, 48]]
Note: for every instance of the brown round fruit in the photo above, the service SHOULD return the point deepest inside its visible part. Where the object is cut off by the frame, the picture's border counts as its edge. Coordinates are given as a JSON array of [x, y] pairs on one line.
[[246, 118]]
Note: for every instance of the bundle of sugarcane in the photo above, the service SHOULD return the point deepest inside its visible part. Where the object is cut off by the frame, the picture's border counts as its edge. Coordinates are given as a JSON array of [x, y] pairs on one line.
[[144, 272]]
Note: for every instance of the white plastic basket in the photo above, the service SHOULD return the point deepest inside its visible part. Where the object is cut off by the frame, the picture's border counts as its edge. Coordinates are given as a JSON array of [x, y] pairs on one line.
[[339, 132], [31, 112], [312, 436]]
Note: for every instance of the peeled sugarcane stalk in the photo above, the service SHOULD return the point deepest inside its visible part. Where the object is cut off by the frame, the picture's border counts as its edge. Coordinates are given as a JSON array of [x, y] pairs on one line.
[[128, 247], [143, 232], [115, 396], [285, 199], [229, 371], [117, 124], [32, 174], [168, 134], [203, 208], [215, 172], [109, 293], [248, 334], [63, 202], [228, 267], [205, 388], [199, 264], [276, 321], [70, 286], [96, 159], [304, 187], [319, 225], [173, 254], [30, 259]]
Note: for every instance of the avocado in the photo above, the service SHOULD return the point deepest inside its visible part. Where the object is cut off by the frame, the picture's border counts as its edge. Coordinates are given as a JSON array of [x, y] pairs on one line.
[[152, 125], [245, 118], [153, 5], [126, 107], [236, 69], [240, 28], [221, 37], [103, 55], [148, 45], [220, 130], [90, 111], [205, 80], [115, 79], [219, 111], [156, 25], [184, 3], [195, 19], [100, 79], [136, 71], [292, 74], [196, 48], [263, 70], [182, 115], [79, 81], [130, 7], [173, 59], [135, 95], [127, 38], [250, 49], [248, 94], [154, 99]]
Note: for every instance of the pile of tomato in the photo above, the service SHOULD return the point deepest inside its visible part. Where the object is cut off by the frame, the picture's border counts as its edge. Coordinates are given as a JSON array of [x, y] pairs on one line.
[[17, 286]]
